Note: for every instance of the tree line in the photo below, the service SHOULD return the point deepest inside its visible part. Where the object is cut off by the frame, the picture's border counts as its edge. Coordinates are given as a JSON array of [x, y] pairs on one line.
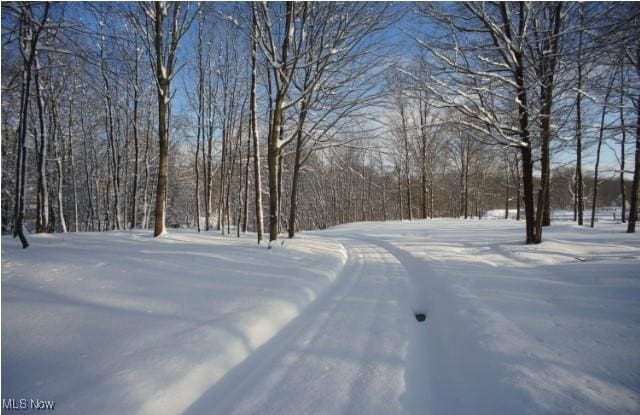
[[153, 114]]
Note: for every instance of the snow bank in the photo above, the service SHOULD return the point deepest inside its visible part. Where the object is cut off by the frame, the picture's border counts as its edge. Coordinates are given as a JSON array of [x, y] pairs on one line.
[[125, 323]]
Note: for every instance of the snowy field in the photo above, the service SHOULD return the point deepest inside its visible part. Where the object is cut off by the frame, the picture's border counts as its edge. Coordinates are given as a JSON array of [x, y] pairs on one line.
[[603, 214], [203, 324]]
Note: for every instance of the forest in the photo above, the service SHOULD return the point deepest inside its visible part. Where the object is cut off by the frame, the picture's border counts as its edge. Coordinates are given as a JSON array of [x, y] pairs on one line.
[[275, 117], [320, 207]]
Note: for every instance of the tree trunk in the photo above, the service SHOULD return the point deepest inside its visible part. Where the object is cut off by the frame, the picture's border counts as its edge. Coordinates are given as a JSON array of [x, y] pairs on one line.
[[579, 181], [58, 147], [145, 194], [197, 172], [209, 164], [42, 221], [165, 56], [622, 148], [254, 133], [400, 209], [431, 196], [633, 202], [19, 207], [466, 179], [527, 181], [525, 149], [545, 135], [136, 144], [546, 74], [600, 134], [274, 153], [245, 206], [273, 157], [29, 33], [518, 185], [163, 161], [234, 154], [506, 188], [111, 136], [86, 160], [405, 136], [73, 170], [294, 182], [280, 164], [423, 166], [223, 173]]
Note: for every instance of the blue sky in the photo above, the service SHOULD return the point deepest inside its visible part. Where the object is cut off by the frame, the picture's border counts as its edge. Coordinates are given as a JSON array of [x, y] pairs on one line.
[[400, 48]]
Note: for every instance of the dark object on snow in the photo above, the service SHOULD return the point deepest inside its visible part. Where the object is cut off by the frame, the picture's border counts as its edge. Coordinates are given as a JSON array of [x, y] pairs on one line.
[[421, 317]]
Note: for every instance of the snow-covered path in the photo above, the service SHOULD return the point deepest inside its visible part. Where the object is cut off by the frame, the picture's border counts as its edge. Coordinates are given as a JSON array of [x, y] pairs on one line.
[[200, 324], [552, 328], [344, 354], [509, 329]]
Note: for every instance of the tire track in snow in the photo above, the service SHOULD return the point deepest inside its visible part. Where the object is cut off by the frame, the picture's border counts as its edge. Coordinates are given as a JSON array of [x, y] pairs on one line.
[[231, 388], [418, 395], [449, 371], [345, 353]]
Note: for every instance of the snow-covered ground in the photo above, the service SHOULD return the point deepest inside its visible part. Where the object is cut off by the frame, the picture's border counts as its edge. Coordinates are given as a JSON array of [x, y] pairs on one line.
[[603, 214], [123, 323], [203, 324]]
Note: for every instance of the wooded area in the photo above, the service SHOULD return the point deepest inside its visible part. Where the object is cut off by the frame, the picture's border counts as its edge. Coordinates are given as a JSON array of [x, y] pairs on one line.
[[176, 114]]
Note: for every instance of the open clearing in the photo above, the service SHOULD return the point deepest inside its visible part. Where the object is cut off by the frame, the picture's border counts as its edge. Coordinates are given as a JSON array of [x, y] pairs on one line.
[[194, 323]]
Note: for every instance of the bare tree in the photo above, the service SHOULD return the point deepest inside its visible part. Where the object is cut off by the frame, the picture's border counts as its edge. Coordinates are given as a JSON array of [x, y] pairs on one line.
[[635, 187], [490, 67], [547, 41], [29, 32], [492, 93], [257, 179], [162, 37], [579, 184]]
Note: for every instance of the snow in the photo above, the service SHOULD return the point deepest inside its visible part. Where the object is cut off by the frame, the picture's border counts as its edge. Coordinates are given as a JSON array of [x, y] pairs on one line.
[[122, 322], [549, 328], [606, 214], [324, 324]]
